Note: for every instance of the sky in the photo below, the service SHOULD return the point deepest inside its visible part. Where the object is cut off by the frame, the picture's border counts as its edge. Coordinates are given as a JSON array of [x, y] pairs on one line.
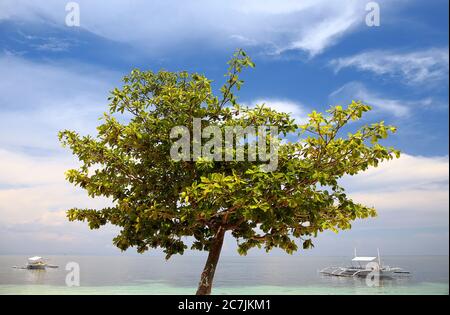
[[309, 55]]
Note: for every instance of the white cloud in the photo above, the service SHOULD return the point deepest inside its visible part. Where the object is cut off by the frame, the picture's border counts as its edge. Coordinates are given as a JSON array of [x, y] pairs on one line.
[[404, 173], [20, 169], [44, 204], [417, 67], [408, 192], [357, 91], [298, 111], [33, 189], [34, 196], [308, 25], [407, 200]]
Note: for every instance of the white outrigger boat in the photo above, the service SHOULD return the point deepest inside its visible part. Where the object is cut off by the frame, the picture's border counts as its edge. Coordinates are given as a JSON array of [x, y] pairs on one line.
[[363, 266], [36, 263]]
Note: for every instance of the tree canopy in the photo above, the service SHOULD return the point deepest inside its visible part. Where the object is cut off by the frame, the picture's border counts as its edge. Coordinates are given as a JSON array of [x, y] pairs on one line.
[[176, 205]]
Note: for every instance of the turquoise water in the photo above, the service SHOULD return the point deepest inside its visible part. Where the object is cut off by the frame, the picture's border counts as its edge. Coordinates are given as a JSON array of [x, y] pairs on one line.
[[160, 289], [235, 275]]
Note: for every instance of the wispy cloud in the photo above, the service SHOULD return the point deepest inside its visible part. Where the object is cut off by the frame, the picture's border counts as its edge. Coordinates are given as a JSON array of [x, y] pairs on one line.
[[326, 30], [417, 67], [310, 25], [358, 91]]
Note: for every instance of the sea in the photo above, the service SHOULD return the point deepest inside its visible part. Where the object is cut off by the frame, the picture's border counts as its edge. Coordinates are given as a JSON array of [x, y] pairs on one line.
[[250, 275]]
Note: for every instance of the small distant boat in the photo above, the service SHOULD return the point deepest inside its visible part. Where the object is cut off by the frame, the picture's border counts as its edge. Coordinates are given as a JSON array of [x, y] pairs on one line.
[[363, 266], [36, 263]]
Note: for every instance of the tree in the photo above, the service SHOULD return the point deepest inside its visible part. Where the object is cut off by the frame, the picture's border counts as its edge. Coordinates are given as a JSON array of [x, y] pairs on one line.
[[164, 203]]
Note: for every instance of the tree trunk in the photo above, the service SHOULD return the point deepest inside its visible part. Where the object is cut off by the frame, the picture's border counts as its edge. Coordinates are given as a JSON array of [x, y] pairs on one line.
[[206, 279]]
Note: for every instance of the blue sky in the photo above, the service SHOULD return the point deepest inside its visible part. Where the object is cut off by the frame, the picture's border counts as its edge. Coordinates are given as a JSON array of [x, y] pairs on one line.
[[308, 54]]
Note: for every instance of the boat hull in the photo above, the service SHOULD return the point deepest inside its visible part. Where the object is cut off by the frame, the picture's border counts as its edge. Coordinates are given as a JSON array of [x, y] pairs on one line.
[[36, 267]]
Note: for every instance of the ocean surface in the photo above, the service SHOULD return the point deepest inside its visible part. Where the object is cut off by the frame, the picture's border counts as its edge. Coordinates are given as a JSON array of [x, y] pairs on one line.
[[234, 275]]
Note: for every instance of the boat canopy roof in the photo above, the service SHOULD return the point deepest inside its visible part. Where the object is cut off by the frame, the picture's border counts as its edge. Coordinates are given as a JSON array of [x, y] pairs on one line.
[[364, 258], [35, 258]]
